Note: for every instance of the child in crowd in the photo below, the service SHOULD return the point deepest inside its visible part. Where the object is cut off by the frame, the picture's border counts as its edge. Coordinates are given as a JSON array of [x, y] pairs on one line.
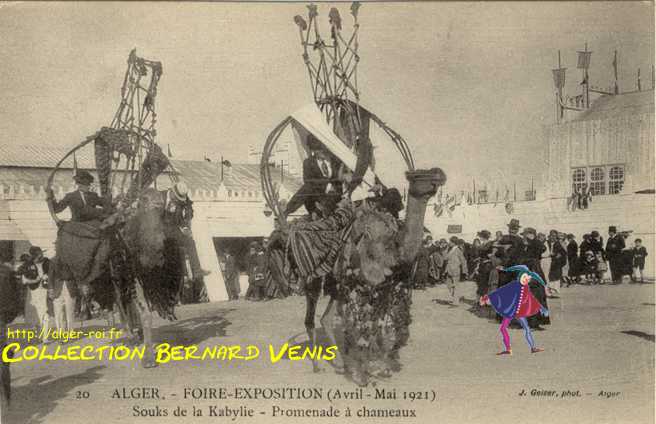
[[639, 253]]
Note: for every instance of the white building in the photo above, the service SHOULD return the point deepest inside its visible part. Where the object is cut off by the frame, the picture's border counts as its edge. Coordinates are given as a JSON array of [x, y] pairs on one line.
[[609, 147]]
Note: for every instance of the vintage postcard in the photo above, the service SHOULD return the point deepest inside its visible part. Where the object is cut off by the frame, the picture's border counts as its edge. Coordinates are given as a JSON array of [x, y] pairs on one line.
[[295, 212]]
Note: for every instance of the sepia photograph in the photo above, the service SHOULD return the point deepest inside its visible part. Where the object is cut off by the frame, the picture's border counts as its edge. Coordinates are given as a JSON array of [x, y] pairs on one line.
[[342, 212]]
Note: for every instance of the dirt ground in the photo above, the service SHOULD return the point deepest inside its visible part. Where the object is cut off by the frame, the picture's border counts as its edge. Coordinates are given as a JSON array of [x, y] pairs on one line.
[[600, 345]]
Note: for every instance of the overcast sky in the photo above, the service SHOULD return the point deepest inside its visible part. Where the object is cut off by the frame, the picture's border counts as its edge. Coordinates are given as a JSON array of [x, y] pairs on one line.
[[469, 85]]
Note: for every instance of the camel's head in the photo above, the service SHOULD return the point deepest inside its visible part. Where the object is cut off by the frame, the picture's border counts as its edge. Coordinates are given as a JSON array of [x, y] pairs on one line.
[[423, 186]]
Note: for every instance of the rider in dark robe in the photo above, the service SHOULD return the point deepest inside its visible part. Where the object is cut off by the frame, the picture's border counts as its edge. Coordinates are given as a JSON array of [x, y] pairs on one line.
[[85, 205]]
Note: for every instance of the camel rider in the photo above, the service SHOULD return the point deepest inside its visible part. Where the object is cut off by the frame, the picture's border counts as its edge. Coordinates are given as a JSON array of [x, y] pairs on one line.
[[321, 183], [85, 205], [178, 210]]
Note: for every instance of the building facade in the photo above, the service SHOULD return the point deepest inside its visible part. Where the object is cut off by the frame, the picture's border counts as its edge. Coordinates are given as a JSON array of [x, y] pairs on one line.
[[607, 149]]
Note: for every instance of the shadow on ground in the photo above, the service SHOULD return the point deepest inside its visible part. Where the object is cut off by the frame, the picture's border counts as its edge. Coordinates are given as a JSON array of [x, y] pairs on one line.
[[444, 303], [641, 334], [34, 401], [193, 330], [483, 312]]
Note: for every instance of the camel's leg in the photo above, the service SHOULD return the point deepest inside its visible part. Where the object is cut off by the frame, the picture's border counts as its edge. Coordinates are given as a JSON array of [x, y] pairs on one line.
[[146, 317], [328, 323], [124, 314], [311, 300]]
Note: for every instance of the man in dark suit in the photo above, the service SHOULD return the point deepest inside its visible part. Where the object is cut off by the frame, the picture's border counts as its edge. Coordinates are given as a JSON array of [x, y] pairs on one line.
[[614, 247], [321, 184], [514, 245], [178, 208], [85, 205]]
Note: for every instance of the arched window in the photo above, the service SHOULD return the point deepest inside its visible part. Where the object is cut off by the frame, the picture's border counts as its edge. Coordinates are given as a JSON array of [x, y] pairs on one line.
[[615, 179], [578, 179], [597, 182]]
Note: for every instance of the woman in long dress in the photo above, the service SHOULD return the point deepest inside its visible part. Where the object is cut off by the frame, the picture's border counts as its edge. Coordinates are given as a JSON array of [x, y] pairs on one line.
[[35, 277]]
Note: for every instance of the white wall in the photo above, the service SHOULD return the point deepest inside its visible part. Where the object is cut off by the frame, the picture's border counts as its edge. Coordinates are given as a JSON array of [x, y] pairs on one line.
[[627, 212], [211, 219]]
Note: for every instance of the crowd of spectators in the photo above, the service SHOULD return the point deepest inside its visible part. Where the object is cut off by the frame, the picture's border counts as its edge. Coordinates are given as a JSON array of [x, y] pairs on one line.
[[556, 256]]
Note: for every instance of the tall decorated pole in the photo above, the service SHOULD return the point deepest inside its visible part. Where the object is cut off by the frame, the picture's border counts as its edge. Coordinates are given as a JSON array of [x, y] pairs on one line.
[[559, 83], [332, 66], [583, 64]]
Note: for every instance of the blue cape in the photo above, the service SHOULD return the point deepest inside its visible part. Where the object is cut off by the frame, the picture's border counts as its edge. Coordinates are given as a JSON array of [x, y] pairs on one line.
[[505, 300]]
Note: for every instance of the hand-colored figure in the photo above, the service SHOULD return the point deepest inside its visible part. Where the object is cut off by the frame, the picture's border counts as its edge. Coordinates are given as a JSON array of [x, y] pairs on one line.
[[515, 301]]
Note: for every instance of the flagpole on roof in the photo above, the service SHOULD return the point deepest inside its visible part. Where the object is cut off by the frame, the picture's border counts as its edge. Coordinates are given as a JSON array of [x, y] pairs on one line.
[[617, 88], [583, 64], [221, 168]]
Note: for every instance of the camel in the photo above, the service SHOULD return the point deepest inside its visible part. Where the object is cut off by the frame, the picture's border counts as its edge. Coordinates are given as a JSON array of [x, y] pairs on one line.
[[143, 263], [371, 250]]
